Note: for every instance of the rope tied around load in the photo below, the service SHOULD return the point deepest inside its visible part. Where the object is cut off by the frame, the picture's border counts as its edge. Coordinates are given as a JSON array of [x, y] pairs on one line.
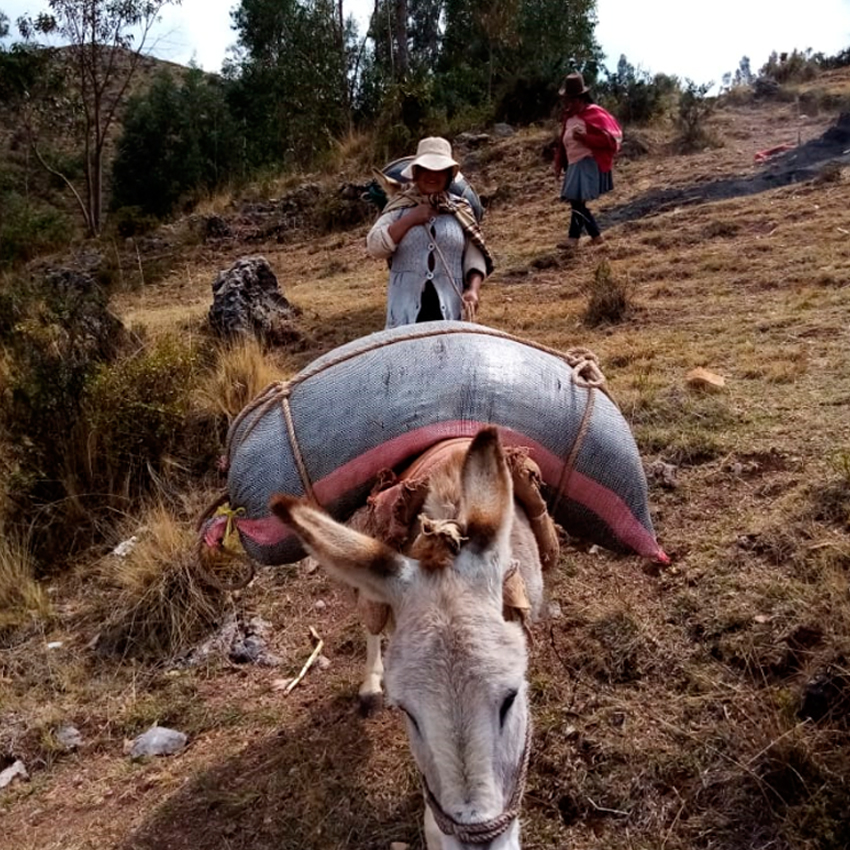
[[586, 370], [585, 374], [227, 548]]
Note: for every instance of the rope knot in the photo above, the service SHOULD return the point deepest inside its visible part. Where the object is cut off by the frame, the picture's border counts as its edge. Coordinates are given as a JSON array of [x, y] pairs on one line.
[[585, 366], [446, 530]]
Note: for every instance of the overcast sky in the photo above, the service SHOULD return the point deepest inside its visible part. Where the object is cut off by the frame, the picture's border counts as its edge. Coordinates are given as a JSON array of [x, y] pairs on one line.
[[700, 41]]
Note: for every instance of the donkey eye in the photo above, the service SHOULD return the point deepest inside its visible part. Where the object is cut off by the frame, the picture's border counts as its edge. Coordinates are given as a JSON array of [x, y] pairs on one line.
[[411, 718], [507, 702]]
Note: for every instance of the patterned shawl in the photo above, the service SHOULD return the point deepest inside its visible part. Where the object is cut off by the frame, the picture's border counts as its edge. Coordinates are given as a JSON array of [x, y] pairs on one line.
[[445, 202]]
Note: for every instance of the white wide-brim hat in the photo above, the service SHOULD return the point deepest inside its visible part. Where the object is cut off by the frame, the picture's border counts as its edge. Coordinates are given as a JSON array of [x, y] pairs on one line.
[[433, 153]]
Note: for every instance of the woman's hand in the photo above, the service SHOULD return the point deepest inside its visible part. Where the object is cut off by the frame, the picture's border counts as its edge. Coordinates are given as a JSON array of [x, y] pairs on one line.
[[420, 214], [471, 295]]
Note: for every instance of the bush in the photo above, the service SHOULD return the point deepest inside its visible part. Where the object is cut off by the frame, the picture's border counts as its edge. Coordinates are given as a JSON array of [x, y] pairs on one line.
[[26, 230], [135, 410], [88, 428], [797, 66], [694, 109], [523, 100], [635, 96], [132, 221], [609, 299], [55, 331], [179, 142]]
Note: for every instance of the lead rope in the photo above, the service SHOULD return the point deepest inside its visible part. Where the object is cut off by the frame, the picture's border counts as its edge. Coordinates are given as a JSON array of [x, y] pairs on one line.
[[485, 831], [469, 311]]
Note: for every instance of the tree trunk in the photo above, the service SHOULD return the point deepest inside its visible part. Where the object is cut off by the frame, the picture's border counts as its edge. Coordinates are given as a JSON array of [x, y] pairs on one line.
[[402, 56]]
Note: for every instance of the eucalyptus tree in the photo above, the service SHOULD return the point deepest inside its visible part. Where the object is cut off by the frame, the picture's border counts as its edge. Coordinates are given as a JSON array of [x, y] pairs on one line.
[[104, 42], [291, 76]]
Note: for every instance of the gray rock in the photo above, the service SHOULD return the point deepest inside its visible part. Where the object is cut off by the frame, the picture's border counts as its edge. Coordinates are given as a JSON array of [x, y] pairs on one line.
[[240, 643], [247, 301], [664, 474], [158, 741], [247, 651], [215, 227], [16, 772], [472, 140], [503, 130], [69, 737]]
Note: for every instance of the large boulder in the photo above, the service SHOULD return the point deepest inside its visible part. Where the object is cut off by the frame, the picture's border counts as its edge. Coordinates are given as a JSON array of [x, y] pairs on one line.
[[247, 301]]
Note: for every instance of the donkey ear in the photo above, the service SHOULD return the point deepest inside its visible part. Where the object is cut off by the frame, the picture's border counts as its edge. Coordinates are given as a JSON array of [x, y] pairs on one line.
[[486, 490], [349, 556]]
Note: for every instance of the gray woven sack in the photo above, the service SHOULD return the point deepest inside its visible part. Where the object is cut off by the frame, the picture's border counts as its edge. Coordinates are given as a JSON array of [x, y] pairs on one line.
[[380, 401]]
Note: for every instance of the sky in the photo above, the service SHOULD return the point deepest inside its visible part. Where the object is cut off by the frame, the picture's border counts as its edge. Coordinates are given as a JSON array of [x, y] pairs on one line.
[[697, 41]]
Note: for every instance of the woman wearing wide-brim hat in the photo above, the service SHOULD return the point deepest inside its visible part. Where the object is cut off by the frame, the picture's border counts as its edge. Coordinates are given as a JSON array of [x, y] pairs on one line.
[[437, 255], [590, 137]]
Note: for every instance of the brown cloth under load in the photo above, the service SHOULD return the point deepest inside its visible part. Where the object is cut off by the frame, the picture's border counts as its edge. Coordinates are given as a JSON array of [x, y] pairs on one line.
[[395, 503]]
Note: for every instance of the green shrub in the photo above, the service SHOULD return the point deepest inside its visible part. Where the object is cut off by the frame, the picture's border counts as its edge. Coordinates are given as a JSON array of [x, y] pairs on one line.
[[88, 426], [694, 109], [179, 141], [798, 66], [636, 96], [135, 410], [132, 221], [27, 230], [55, 331]]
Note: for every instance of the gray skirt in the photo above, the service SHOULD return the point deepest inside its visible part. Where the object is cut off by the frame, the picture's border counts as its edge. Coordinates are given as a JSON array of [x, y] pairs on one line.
[[585, 182]]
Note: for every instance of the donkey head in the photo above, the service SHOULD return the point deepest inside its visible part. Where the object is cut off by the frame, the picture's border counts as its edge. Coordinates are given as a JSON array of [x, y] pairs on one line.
[[454, 666]]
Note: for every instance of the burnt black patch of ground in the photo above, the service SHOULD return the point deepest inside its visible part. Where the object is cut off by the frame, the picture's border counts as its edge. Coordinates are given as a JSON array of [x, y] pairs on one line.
[[803, 163]]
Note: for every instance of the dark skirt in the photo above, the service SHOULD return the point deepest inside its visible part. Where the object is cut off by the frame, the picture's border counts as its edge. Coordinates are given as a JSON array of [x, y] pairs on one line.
[[585, 182]]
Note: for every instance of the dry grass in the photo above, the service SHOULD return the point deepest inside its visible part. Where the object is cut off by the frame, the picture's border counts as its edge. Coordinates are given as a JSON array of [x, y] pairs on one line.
[[23, 600], [354, 151], [241, 372], [609, 300], [161, 603], [215, 204]]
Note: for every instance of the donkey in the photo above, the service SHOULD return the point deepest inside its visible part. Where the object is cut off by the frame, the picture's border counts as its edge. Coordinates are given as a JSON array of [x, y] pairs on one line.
[[455, 665]]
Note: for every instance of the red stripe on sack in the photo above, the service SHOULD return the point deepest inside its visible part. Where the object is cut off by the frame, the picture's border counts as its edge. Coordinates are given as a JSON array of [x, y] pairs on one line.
[[214, 532], [605, 503]]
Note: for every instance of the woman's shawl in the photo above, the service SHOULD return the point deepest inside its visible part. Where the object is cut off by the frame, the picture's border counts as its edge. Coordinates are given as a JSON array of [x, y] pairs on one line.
[[445, 202], [604, 137]]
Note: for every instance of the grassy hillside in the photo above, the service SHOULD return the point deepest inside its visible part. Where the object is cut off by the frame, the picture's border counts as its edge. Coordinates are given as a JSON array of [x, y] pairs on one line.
[[701, 705]]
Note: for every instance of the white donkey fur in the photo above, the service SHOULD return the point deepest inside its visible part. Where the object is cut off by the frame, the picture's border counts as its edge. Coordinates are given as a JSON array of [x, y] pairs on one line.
[[454, 665]]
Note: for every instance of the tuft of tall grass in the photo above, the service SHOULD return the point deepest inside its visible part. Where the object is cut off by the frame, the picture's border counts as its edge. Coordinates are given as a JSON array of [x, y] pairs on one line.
[[241, 372], [161, 603], [22, 598], [610, 298]]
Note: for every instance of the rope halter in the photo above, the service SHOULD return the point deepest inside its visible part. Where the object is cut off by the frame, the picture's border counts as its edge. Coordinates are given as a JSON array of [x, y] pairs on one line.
[[483, 832]]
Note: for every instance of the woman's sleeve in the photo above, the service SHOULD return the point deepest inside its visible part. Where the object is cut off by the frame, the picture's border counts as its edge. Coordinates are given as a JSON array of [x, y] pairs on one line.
[[379, 243], [473, 260]]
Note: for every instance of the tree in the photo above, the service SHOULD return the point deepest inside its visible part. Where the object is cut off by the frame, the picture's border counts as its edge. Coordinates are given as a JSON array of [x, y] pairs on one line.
[[178, 140], [638, 97], [105, 40], [287, 78]]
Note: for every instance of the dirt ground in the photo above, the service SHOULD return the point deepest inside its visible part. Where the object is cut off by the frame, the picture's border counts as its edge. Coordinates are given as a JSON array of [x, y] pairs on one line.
[[701, 705]]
